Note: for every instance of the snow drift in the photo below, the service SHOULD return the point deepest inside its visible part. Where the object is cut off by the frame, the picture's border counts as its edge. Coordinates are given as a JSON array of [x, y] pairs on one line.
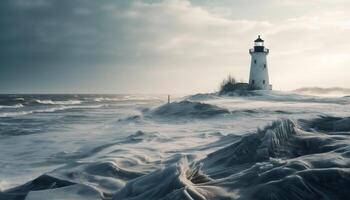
[[188, 109]]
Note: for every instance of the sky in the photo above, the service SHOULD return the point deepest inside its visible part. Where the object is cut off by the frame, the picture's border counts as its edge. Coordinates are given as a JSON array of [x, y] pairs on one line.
[[169, 46]]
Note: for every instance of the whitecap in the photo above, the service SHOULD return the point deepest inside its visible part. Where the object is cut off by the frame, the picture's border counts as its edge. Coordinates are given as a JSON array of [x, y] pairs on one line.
[[51, 102], [101, 99], [12, 106], [48, 110], [15, 114]]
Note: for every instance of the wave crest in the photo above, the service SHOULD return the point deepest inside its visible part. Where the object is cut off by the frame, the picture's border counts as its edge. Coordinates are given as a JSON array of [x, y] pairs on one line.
[[12, 106], [48, 110], [51, 102]]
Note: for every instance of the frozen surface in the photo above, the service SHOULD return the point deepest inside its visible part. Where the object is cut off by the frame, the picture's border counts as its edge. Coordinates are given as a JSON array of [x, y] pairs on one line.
[[266, 145]]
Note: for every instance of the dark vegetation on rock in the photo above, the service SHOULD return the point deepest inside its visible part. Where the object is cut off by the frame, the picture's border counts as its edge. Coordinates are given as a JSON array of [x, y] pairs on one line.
[[230, 86]]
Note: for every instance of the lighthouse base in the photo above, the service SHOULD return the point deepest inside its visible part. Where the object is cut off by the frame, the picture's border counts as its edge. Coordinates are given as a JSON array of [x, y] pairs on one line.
[[254, 87]]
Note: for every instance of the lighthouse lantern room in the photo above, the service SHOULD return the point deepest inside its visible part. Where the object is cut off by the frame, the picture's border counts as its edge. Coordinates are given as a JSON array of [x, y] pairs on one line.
[[259, 76]]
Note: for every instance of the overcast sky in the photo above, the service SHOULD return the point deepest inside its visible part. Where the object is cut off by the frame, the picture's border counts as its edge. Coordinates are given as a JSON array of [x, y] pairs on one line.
[[170, 46]]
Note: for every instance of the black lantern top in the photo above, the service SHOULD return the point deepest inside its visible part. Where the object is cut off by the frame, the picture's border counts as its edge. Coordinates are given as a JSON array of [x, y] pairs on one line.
[[259, 41], [259, 45]]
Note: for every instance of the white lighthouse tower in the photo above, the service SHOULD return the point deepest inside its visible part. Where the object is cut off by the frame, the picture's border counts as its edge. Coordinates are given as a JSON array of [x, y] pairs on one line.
[[259, 76]]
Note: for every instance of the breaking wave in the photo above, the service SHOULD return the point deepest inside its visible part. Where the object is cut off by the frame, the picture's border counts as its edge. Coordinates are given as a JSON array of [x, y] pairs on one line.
[[20, 113], [102, 99], [12, 106], [51, 102], [47, 110]]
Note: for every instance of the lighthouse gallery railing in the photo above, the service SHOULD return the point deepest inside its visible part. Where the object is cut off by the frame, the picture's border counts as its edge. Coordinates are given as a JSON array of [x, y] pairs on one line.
[[264, 50]]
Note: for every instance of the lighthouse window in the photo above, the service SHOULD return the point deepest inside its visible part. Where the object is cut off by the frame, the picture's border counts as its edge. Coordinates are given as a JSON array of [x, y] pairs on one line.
[[254, 61], [265, 66], [264, 82], [253, 82]]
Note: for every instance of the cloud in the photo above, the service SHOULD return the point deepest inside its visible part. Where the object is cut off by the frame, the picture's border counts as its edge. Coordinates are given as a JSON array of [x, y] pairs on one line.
[[169, 40]]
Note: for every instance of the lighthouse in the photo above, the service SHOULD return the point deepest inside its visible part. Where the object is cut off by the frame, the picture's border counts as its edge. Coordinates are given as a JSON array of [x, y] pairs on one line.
[[259, 75]]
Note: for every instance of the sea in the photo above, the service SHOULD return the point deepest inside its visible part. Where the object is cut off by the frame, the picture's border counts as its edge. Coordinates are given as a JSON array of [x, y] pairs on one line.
[[266, 145]]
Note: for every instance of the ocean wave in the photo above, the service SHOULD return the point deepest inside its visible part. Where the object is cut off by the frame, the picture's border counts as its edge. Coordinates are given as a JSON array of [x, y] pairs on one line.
[[51, 102], [140, 98], [19, 99], [12, 106], [328, 124], [15, 114], [124, 99], [286, 159], [48, 110], [131, 119], [21, 113], [141, 136], [101, 99]]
